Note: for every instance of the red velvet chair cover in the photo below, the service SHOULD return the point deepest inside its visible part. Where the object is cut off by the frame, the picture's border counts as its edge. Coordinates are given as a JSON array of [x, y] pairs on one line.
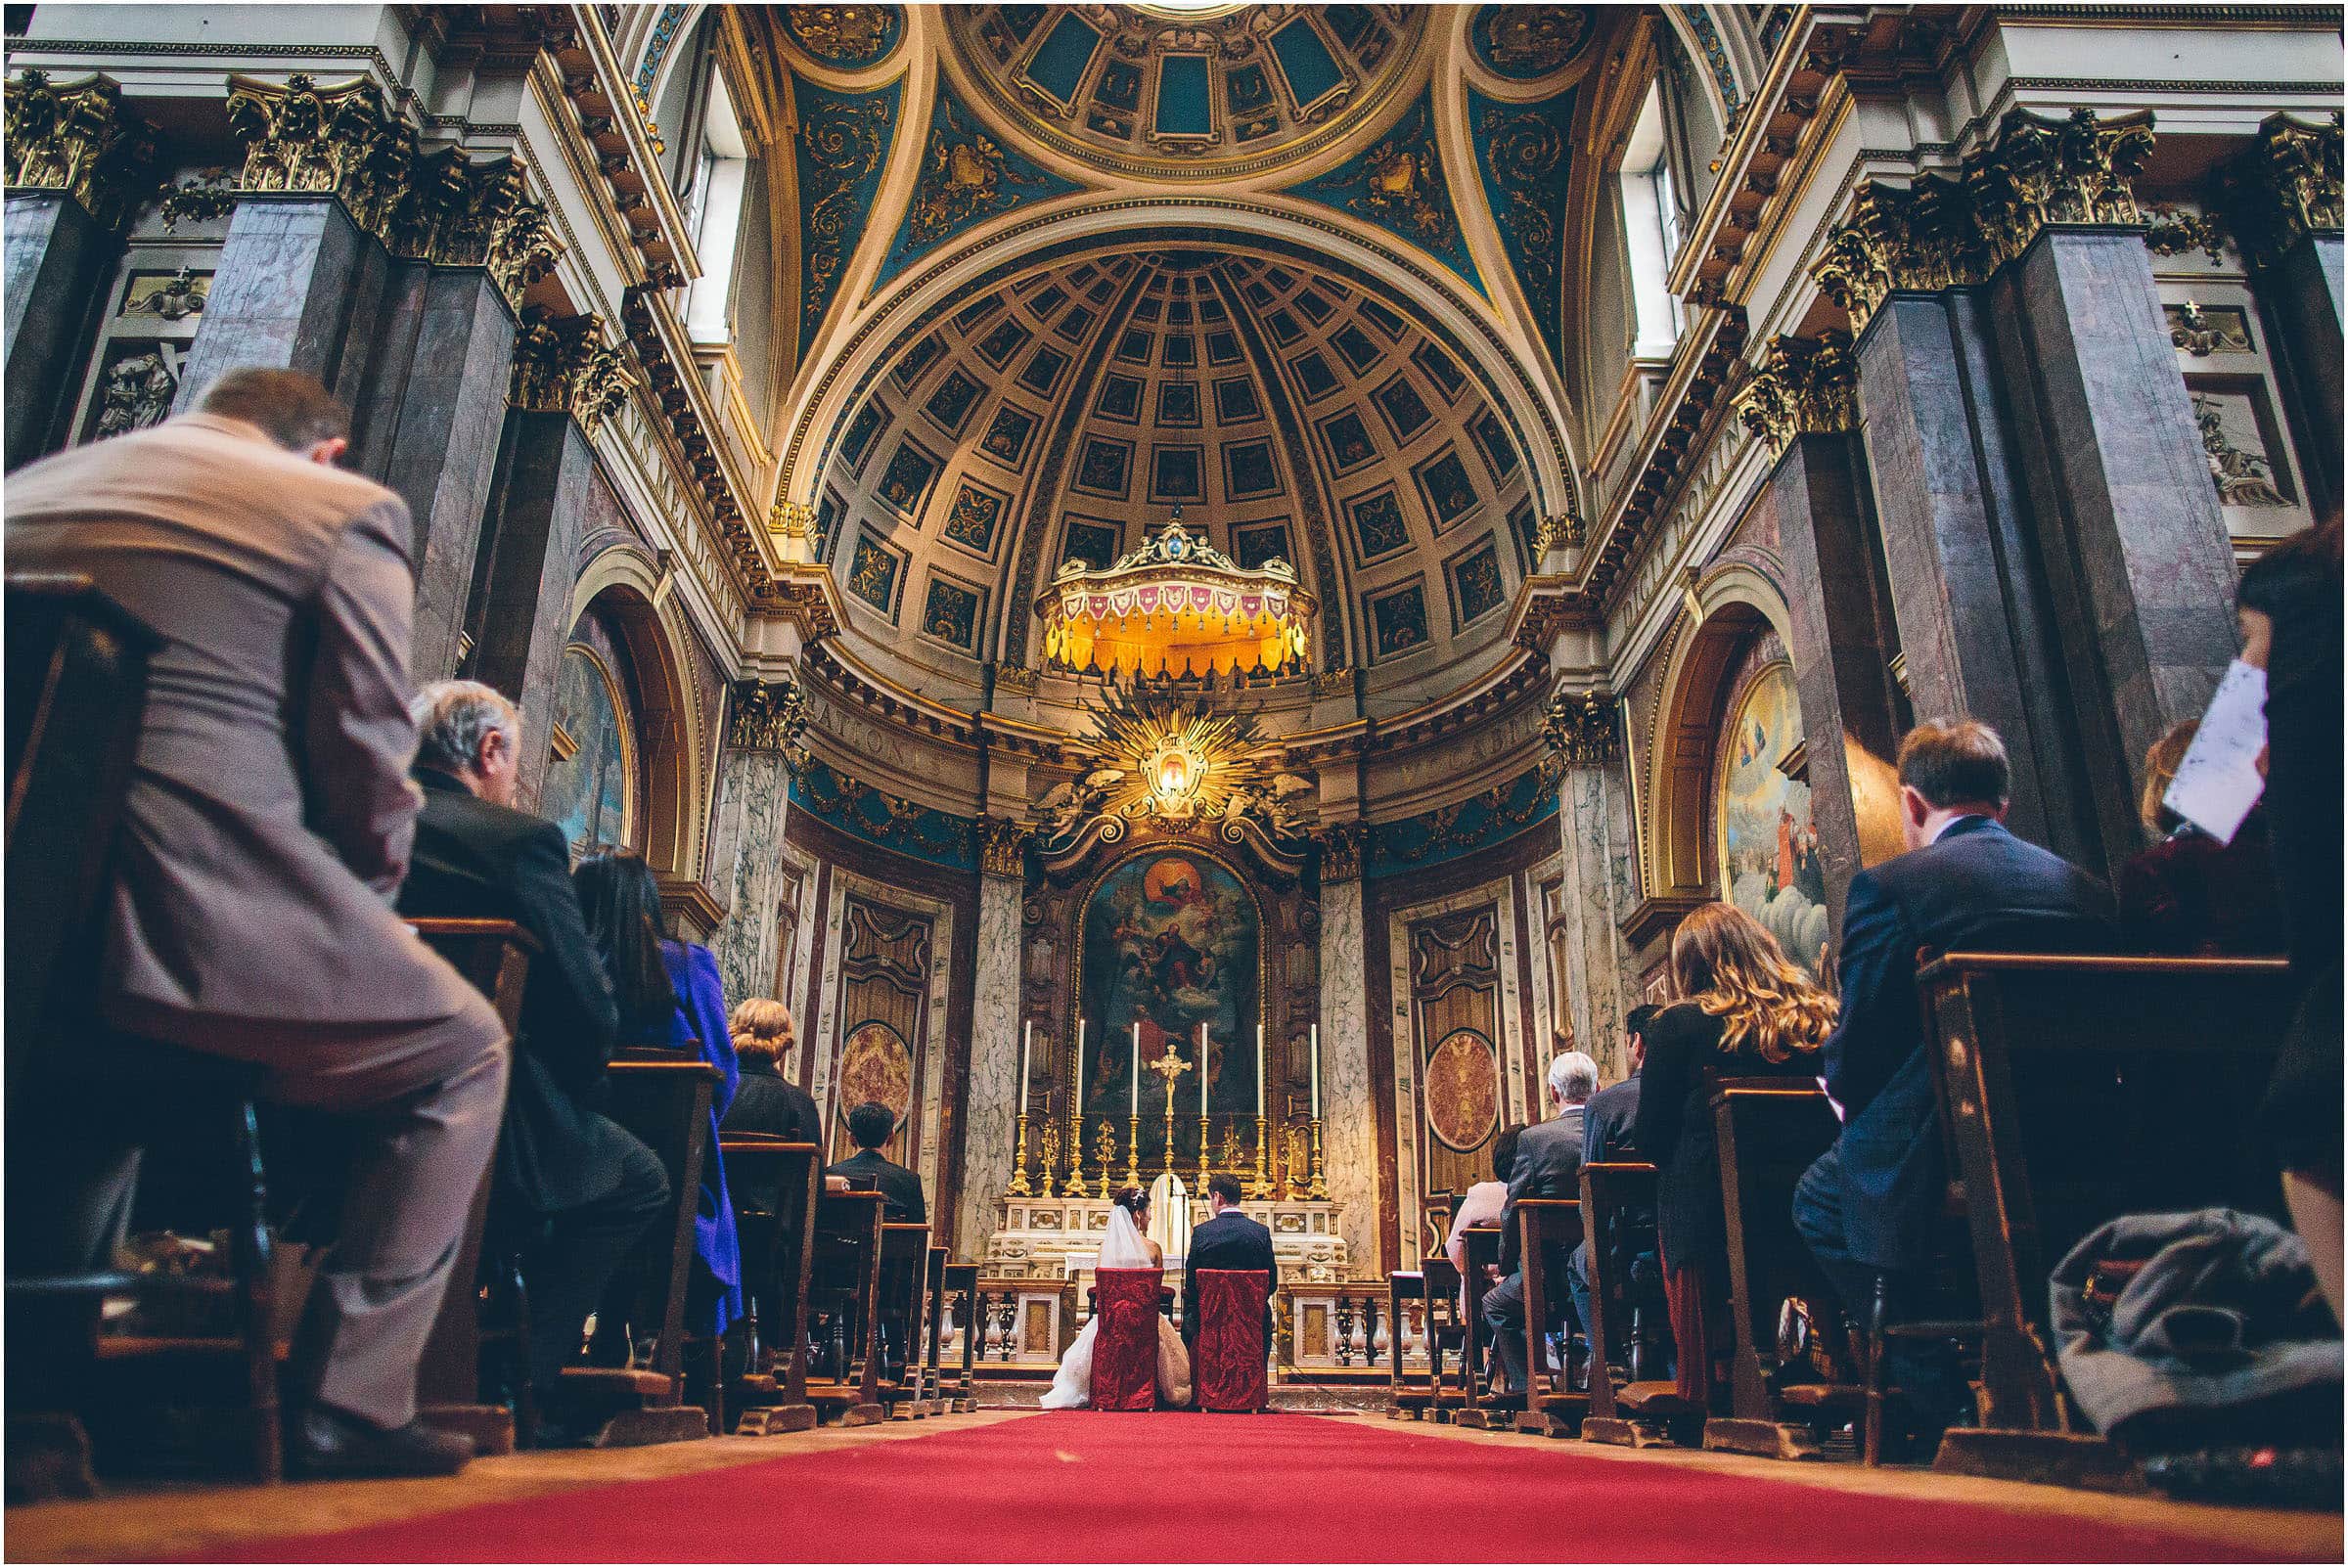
[[1125, 1347], [1229, 1367]]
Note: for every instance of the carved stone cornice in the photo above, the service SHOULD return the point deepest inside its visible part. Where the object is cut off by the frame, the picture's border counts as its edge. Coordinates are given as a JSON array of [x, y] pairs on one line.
[[1341, 851], [1579, 729], [2286, 186], [802, 593], [1939, 233], [564, 365], [1804, 386], [1002, 846], [77, 138], [770, 716]]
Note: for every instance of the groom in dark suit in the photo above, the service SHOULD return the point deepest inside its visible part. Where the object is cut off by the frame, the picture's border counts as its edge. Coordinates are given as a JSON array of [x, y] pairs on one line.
[[1228, 1239]]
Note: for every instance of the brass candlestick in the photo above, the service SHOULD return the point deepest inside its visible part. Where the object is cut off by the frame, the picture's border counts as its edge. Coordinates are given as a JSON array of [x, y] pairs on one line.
[[1133, 1150], [1320, 1187], [1169, 1144], [1076, 1187], [1206, 1169], [1018, 1187], [1261, 1187]]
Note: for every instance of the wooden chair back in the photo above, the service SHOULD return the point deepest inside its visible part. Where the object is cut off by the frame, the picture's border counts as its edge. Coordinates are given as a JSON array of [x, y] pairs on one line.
[[1548, 1230], [1770, 1130], [2077, 1089], [845, 1284], [1616, 1197], [664, 1100], [774, 1184], [1483, 1255]]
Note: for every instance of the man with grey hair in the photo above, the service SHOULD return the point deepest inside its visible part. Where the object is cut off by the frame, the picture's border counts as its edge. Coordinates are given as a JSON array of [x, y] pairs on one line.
[[266, 826], [586, 1186], [1549, 1165]]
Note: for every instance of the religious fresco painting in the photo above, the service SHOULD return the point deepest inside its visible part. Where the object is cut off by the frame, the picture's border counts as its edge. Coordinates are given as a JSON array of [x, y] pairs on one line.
[[1170, 941], [586, 788], [1463, 1090], [1769, 855], [876, 1065]]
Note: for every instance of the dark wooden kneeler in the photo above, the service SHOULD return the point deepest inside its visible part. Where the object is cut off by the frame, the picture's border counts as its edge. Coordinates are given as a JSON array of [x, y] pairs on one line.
[[778, 1254], [1612, 1193], [1548, 1232], [844, 1288], [1770, 1130]]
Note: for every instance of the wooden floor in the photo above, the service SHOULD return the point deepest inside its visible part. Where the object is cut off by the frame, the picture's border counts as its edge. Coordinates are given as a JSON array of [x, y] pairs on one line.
[[181, 1522]]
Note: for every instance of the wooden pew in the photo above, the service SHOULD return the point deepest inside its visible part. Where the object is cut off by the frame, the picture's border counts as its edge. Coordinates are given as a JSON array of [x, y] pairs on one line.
[[1444, 1332], [777, 1255], [494, 956], [662, 1097], [1548, 1230], [1612, 1191], [1768, 1131], [962, 1293], [1481, 1407], [845, 1287], [904, 1318], [2062, 1080]]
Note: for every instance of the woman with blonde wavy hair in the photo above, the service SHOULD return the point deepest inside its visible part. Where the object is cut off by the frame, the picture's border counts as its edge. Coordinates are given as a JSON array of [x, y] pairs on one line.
[[1744, 1010]]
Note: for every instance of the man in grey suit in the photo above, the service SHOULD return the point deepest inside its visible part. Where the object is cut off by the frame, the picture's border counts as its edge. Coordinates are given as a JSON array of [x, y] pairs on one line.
[[1549, 1165], [268, 824]]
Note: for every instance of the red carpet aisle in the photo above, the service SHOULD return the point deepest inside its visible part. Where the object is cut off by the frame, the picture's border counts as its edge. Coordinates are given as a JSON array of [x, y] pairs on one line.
[[1080, 1487]]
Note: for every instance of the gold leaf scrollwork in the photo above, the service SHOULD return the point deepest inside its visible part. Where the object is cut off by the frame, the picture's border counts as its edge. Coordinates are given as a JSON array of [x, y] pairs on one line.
[[771, 716], [79, 139], [843, 142]]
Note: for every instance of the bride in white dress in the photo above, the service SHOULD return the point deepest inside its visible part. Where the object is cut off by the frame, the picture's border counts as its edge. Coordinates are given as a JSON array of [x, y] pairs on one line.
[[1124, 1247]]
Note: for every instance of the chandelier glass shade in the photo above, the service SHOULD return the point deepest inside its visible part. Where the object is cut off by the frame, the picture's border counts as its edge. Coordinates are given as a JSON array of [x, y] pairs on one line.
[[1176, 607]]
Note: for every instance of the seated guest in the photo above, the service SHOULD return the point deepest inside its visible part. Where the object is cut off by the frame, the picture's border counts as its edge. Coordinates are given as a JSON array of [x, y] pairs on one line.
[[1606, 1124], [1228, 1238], [267, 822], [1871, 1205], [1548, 1165], [1482, 1203], [579, 1188], [767, 1102], [867, 1170], [1748, 1012], [670, 995], [2190, 895]]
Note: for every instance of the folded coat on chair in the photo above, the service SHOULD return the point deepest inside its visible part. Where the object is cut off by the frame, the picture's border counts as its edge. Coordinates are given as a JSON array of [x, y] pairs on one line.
[[1125, 1345], [1229, 1367]]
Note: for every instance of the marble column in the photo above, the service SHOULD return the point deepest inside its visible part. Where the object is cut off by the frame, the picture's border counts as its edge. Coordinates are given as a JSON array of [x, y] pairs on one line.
[[521, 575], [300, 286], [2282, 203], [1601, 981], [2134, 550], [1348, 1110], [57, 258], [439, 447], [745, 847], [990, 1095]]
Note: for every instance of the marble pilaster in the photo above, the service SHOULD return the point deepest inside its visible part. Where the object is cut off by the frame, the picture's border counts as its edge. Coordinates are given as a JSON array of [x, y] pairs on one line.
[[519, 585], [1600, 889], [2301, 290], [1348, 1113], [990, 1097], [745, 861], [56, 257]]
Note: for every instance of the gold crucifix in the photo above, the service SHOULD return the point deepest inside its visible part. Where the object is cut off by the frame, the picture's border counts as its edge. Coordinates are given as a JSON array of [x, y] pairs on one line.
[[1170, 1067]]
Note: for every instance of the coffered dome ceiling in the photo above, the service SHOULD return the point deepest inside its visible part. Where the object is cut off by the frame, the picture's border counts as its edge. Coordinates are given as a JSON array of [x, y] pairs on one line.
[[1067, 410], [1187, 92]]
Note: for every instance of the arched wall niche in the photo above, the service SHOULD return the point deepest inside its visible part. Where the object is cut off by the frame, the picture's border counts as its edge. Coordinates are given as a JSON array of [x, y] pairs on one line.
[[1736, 606], [620, 590]]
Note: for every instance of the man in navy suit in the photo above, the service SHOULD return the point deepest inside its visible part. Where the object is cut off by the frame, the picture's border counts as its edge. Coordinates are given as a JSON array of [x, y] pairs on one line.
[[1226, 1240], [1871, 1204]]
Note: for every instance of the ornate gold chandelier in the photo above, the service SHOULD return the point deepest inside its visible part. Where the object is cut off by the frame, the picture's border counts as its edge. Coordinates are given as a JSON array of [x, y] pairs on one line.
[[1176, 607]]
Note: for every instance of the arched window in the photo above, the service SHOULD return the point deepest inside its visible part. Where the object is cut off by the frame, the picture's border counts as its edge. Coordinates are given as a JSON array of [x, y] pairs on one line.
[[713, 196], [1654, 223]]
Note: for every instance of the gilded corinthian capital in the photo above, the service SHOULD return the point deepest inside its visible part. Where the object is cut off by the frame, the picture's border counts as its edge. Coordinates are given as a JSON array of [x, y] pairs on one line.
[[1804, 386], [1939, 232], [2286, 186], [339, 141], [78, 138], [564, 365], [770, 716]]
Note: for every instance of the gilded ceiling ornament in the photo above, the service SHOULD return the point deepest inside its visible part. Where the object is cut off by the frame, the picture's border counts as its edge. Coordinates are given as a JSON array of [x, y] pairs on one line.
[[963, 180], [1400, 184], [340, 141], [2285, 187], [841, 35], [1522, 43], [1175, 606], [1523, 149], [77, 138], [563, 365], [843, 139], [1803, 388], [770, 716], [793, 519]]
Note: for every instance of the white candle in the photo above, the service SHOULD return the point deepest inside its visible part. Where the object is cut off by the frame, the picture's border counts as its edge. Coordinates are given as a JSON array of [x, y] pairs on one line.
[[1259, 1068], [1315, 1072], [1133, 1100], [1202, 1069], [1026, 1044], [1076, 1101]]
